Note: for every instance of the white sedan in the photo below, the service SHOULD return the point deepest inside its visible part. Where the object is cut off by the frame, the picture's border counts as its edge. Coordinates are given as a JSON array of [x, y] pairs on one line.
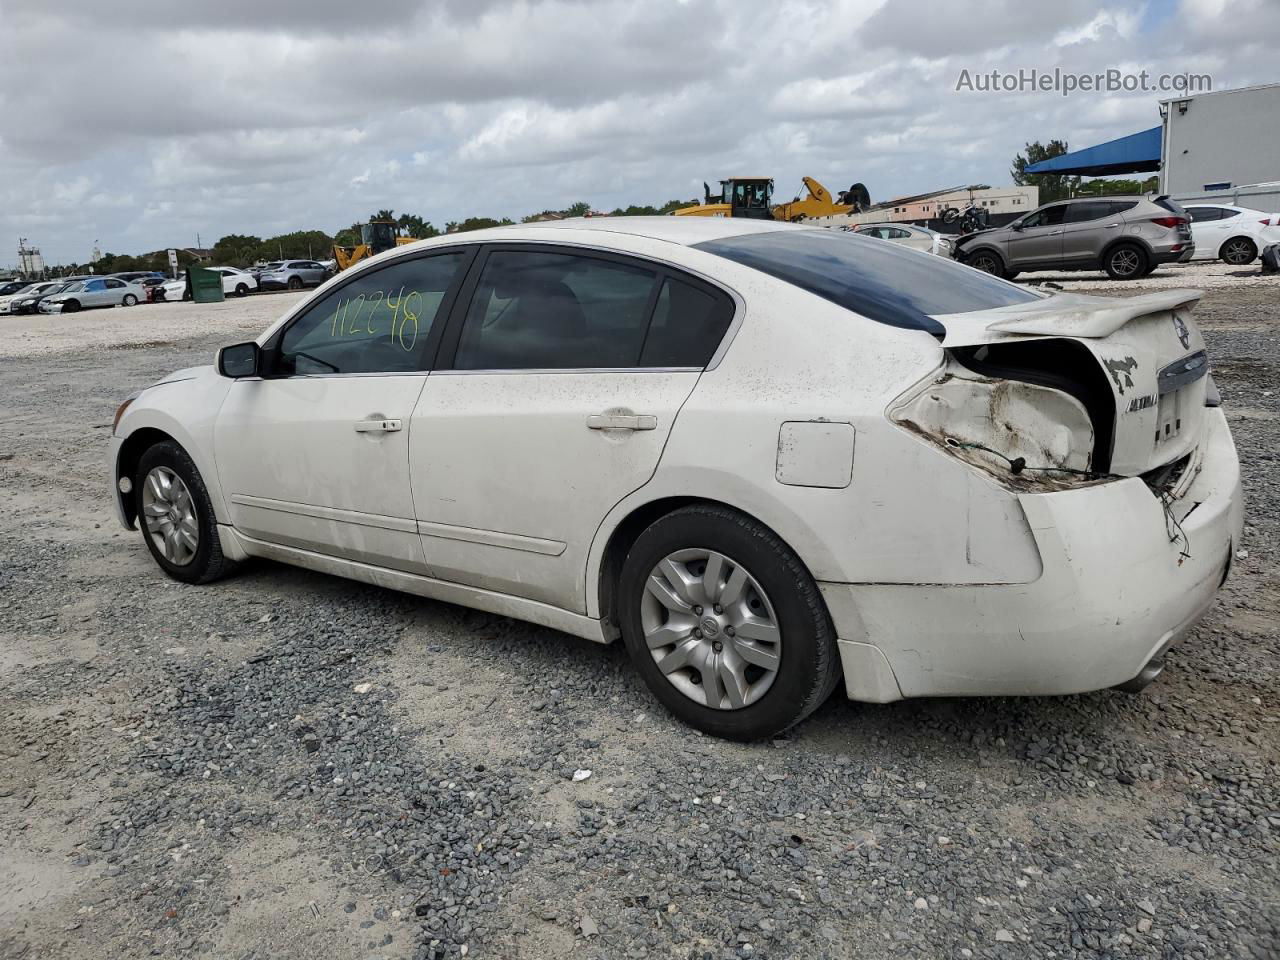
[[909, 235], [1234, 235], [235, 282], [769, 458]]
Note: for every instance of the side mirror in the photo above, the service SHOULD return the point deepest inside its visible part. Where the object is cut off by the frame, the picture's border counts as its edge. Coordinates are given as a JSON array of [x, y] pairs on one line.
[[240, 360], [1016, 226]]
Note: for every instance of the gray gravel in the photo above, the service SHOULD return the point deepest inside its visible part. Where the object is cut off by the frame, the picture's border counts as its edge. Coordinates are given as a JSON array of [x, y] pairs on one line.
[[290, 765]]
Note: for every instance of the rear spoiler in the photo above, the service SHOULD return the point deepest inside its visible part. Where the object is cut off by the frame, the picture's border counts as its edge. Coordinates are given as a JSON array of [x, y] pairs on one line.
[[1062, 315]]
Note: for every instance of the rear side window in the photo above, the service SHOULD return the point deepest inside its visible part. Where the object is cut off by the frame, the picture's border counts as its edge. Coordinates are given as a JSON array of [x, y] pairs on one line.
[[1088, 210], [1202, 214], [884, 282], [1121, 206], [688, 324], [556, 311]]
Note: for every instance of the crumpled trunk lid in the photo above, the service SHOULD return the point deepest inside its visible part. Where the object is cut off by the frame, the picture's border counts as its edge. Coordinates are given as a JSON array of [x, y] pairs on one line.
[[1149, 347]]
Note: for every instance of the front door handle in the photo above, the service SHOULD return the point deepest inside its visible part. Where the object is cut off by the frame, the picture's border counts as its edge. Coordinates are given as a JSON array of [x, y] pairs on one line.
[[621, 421], [377, 426], [1112, 226]]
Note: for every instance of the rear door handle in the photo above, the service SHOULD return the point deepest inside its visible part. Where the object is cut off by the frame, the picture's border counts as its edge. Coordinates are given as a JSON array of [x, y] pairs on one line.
[[377, 426], [621, 421]]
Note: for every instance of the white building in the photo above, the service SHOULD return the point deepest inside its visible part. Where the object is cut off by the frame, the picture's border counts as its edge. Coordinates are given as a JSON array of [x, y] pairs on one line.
[[1000, 203], [1223, 146], [30, 262]]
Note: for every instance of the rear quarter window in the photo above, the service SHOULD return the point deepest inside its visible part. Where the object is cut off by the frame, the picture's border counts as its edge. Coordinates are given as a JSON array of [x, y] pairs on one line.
[[885, 282]]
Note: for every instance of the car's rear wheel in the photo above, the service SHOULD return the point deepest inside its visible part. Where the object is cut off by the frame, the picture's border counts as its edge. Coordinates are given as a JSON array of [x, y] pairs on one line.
[[725, 624], [1126, 261], [295, 283], [241, 290], [988, 261], [129, 300], [1238, 251], [176, 515]]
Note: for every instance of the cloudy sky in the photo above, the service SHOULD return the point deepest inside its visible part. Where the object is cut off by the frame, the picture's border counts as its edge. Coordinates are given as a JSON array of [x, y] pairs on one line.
[[139, 124]]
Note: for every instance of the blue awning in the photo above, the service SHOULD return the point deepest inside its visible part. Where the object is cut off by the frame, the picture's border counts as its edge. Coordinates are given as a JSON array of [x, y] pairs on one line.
[[1136, 153]]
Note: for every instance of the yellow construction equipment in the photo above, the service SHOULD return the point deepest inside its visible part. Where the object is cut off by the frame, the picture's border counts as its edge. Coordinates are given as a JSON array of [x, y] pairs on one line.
[[375, 237], [753, 197]]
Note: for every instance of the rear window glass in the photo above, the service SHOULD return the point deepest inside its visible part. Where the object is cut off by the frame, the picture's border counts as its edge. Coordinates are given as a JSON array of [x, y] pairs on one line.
[[885, 282]]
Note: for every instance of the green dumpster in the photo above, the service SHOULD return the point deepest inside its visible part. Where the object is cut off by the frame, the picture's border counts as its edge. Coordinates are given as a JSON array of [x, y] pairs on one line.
[[205, 285]]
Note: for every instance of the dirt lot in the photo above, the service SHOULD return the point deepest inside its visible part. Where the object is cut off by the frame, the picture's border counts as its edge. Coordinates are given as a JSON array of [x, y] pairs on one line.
[[287, 765]]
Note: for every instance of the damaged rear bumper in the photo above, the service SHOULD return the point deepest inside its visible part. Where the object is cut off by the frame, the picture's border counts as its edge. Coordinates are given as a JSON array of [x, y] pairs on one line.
[[1115, 594]]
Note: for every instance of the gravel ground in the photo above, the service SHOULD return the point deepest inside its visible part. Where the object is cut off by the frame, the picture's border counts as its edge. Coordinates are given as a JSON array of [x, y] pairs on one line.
[[288, 765]]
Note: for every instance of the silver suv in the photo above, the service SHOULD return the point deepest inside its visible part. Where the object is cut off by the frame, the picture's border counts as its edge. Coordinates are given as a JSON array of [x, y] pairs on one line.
[[292, 274], [1126, 236]]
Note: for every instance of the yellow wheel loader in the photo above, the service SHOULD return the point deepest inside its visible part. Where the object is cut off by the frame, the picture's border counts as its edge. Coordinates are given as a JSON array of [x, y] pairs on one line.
[[753, 197], [375, 237]]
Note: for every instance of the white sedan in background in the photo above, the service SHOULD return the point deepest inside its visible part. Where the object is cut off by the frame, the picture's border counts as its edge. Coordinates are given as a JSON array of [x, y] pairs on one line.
[[1234, 235], [909, 235], [761, 454], [235, 282]]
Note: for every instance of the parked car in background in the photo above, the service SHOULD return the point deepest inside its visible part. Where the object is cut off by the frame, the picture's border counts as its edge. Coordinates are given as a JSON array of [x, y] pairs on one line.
[[129, 276], [292, 275], [10, 287], [9, 291], [612, 427], [1126, 236], [236, 282], [909, 235], [1234, 235], [150, 286], [28, 300], [94, 292], [171, 290]]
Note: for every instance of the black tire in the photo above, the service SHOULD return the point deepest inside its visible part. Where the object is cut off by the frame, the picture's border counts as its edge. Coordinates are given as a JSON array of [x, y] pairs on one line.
[[241, 290], [209, 563], [988, 261], [186, 294], [1238, 251], [1011, 274], [809, 664], [1126, 261], [129, 300], [71, 306], [295, 283]]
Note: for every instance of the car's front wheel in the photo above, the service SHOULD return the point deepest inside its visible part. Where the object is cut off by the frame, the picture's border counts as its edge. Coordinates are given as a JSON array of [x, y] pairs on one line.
[[176, 515], [70, 306], [1238, 251], [725, 624], [988, 261]]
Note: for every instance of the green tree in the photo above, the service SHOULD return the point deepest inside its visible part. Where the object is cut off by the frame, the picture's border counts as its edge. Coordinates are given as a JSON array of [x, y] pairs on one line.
[[302, 244], [1102, 187], [236, 250], [579, 209], [1052, 186], [412, 225], [476, 223]]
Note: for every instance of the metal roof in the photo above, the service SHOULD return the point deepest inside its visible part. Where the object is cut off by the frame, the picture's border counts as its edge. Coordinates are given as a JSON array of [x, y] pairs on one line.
[[1136, 153]]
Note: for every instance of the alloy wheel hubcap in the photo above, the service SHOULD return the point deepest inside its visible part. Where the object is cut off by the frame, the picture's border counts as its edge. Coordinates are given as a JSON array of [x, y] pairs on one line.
[[1125, 262], [1236, 253], [170, 516], [711, 629]]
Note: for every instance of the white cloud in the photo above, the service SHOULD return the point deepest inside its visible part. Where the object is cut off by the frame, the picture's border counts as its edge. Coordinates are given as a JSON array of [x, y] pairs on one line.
[[247, 118]]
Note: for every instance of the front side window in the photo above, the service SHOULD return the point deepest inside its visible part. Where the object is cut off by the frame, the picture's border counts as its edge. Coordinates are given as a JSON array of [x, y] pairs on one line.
[[885, 282], [1047, 217], [380, 322], [115, 284], [555, 311], [94, 286]]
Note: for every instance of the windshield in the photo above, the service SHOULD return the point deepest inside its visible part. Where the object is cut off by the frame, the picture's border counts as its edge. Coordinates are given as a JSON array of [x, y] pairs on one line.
[[73, 287], [885, 282]]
